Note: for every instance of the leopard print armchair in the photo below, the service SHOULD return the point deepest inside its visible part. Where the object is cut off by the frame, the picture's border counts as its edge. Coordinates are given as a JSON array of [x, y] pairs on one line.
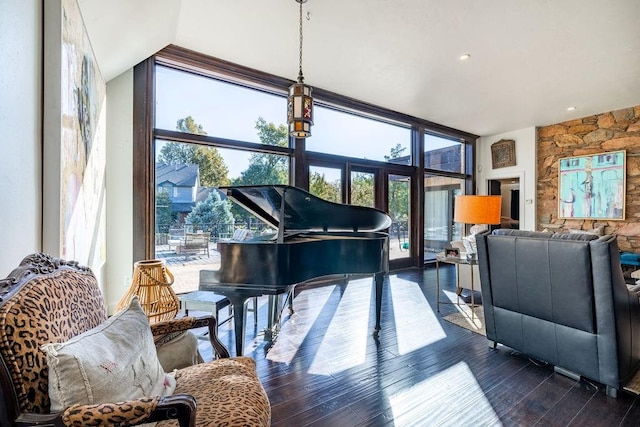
[[49, 300]]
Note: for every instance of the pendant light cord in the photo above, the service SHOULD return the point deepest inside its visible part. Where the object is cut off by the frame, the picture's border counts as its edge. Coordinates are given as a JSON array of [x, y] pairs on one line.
[[300, 76]]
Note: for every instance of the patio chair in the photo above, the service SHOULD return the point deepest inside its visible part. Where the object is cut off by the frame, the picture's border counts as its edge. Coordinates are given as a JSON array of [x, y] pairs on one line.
[[194, 242]]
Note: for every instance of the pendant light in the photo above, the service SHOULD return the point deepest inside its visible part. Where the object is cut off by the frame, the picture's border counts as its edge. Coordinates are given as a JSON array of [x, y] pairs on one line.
[[300, 103]]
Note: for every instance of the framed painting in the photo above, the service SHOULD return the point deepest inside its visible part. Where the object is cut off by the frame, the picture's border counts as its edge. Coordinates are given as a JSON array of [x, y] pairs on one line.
[[74, 133], [452, 252], [503, 153], [592, 186]]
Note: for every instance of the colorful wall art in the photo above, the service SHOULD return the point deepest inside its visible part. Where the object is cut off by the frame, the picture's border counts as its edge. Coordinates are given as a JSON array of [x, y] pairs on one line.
[[592, 186]]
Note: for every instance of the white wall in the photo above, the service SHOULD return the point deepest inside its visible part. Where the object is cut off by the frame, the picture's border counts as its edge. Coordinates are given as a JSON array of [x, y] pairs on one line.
[[20, 131], [525, 170], [21, 192], [119, 187]]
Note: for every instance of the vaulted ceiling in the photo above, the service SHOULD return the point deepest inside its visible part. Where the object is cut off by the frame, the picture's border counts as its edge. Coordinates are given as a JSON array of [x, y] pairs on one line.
[[530, 59]]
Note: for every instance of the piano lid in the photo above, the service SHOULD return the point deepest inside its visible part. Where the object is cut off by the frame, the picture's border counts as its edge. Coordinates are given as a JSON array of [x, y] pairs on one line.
[[303, 211]]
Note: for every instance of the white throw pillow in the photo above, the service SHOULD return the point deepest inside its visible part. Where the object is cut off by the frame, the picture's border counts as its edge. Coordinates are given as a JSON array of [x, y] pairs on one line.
[[178, 351], [114, 362]]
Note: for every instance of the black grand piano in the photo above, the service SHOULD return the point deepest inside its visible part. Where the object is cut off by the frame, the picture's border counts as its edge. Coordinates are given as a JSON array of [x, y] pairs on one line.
[[311, 238]]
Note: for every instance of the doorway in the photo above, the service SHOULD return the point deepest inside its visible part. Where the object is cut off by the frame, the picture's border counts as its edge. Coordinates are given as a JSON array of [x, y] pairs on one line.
[[384, 188], [509, 189]]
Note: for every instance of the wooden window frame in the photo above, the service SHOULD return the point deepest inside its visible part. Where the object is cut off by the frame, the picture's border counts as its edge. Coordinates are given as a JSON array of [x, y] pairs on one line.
[[144, 135]]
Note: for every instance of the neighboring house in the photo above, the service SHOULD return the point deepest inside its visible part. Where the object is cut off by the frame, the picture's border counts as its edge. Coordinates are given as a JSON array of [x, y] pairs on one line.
[[182, 183], [444, 159]]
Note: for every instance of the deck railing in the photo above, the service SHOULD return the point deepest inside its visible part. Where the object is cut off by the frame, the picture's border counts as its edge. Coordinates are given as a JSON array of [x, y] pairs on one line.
[[218, 230]]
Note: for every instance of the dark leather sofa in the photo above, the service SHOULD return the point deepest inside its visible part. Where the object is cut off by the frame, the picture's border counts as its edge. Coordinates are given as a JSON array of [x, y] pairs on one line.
[[562, 299]]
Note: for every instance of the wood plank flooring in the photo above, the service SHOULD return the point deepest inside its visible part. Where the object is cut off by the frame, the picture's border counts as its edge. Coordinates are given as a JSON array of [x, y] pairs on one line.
[[327, 369]]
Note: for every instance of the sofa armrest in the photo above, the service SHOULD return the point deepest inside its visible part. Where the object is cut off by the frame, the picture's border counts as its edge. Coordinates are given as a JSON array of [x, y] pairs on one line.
[[634, 322], [181, 324]]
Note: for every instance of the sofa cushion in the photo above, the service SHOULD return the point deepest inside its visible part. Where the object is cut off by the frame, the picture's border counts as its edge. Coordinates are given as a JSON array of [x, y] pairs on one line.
[[112, 362]]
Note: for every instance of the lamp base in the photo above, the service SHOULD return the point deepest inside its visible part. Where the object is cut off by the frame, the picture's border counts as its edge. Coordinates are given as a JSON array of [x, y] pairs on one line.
[[469, 243]]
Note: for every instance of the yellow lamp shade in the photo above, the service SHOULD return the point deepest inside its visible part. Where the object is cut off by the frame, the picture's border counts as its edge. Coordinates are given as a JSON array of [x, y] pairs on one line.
[[478, 209]]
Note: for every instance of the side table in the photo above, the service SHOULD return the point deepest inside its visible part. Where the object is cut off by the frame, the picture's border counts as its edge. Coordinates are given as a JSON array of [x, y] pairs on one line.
[[457, 261]]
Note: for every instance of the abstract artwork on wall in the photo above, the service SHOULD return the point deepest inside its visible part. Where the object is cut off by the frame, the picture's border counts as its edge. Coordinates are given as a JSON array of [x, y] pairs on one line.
[[592, 186], [75, 139]]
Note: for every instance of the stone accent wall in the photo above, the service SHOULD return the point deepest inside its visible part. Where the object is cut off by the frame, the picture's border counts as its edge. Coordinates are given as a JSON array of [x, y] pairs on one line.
[[613, 131]]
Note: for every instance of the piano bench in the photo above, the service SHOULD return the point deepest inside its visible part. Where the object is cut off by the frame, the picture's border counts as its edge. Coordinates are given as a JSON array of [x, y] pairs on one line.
[[212, 302]]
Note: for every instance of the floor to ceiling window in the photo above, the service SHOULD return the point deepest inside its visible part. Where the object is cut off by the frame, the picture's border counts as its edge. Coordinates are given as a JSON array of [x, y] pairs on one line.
[[203, 124], [241, 130], [345, 134], [447, 176]]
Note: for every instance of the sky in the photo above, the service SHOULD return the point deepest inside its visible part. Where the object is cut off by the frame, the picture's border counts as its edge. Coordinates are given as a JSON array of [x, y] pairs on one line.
[[229, 111]]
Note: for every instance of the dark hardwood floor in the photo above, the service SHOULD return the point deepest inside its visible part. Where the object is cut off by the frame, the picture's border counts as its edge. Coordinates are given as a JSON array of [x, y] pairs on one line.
[[327, 369]]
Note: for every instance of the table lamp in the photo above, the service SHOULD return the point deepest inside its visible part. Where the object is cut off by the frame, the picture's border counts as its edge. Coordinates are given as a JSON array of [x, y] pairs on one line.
[[476, 210]]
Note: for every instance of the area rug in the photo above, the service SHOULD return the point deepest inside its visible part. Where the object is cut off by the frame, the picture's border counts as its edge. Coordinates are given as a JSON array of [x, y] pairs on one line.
[[463, 319], [634, 385]]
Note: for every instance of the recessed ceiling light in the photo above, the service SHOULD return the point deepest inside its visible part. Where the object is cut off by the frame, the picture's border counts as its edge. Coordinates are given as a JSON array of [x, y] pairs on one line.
[[464, 57], [571, 108]]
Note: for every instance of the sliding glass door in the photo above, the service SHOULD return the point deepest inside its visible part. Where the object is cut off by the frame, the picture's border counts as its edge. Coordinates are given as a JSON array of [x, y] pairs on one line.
[[439, 228], [399, 209]]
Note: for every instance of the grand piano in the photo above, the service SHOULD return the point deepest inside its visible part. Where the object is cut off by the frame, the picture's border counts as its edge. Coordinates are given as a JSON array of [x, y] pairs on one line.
[[311, 238]]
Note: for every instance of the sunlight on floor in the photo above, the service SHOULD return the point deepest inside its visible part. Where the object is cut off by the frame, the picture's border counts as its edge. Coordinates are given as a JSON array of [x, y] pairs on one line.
[[355, 305], [294, 331], [452, 397], [465, 312], [412, 313]]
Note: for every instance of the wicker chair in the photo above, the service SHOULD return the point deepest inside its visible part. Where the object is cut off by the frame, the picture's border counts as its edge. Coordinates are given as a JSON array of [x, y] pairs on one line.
[[52, 302]]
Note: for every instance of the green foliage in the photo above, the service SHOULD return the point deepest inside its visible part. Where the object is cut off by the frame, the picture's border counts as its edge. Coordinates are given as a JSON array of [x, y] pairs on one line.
[[270, 134], [398, 190], [213, 171], [165, 218], [319, 186], [209, 212], [395, 152], [265, 168], [398, 199], [362, 192], [189, 125], [177, 153]]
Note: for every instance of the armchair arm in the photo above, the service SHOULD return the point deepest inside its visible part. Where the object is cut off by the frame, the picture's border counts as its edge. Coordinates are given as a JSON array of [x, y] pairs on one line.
[[181, 407], [174, 325], [185, 323]]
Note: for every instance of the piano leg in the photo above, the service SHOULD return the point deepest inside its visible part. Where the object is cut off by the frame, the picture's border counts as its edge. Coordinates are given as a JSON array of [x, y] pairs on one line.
[[237, 301], [276, 307], [272, 318], [290, 295], [379, 278]]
